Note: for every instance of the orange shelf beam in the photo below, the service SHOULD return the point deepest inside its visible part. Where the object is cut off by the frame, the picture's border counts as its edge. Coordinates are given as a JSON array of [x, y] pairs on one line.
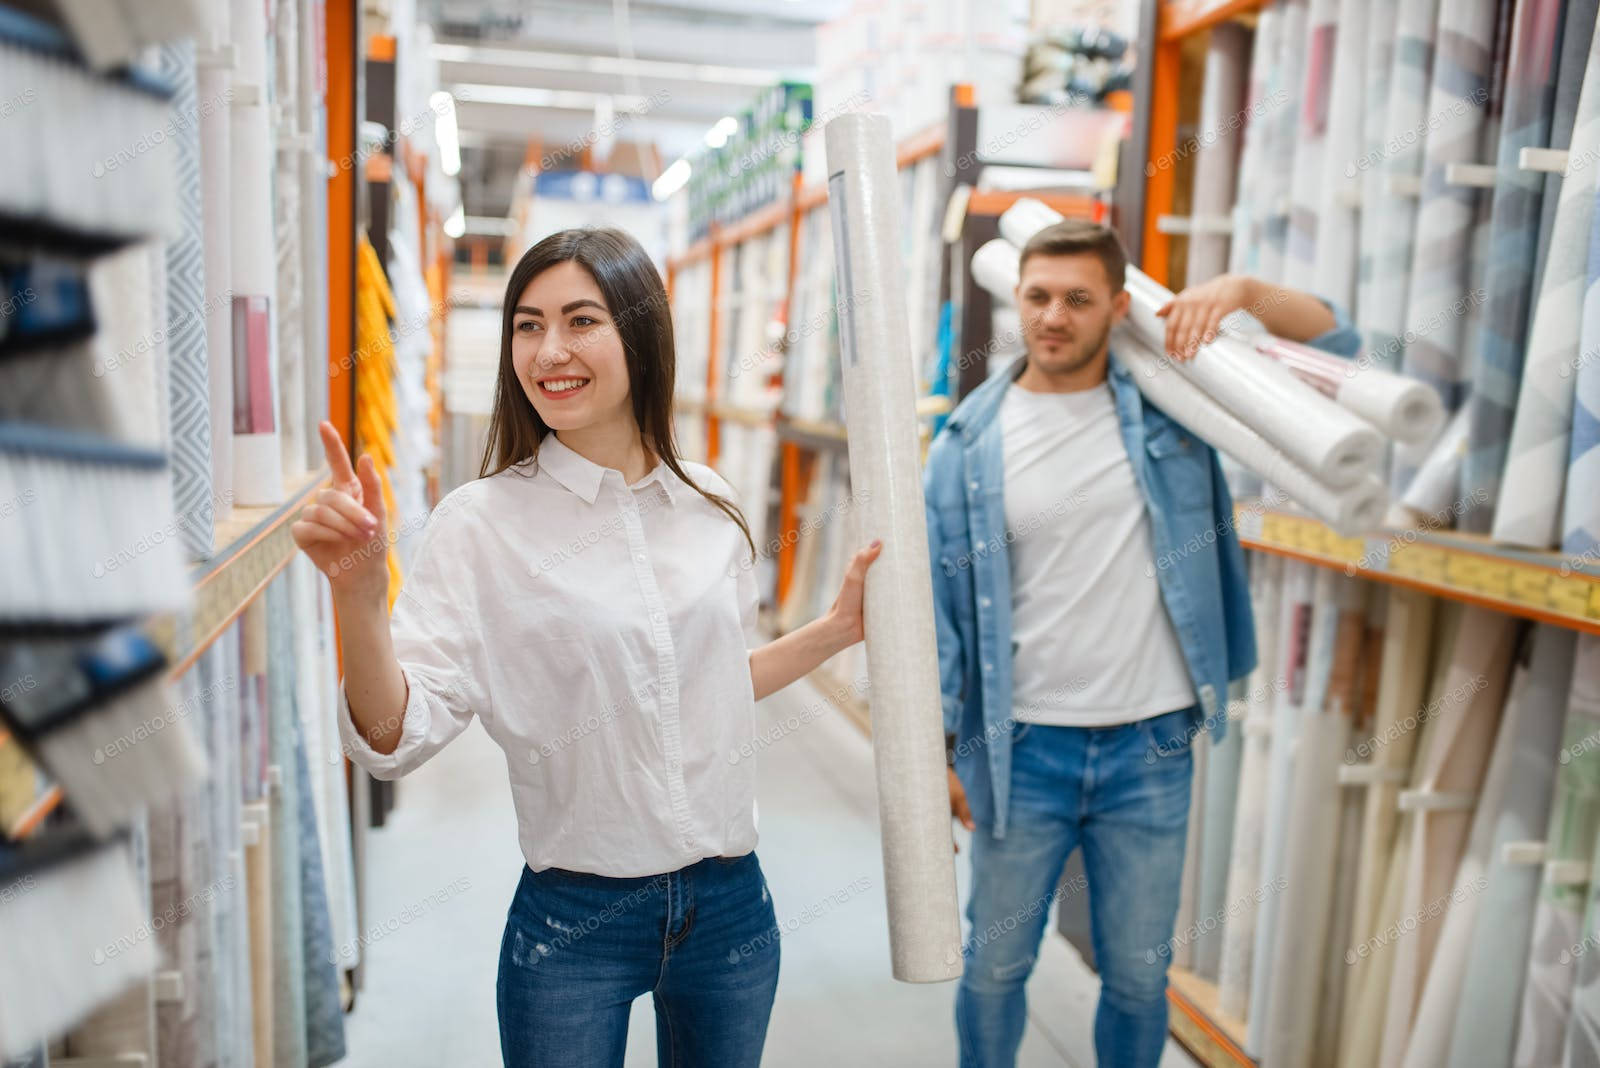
[[1180, 18]]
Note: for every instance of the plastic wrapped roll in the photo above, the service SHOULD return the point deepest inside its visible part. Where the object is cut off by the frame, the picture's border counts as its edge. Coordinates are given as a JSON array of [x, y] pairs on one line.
[[1315, 75], [1335, 445], [1216, 161], [908, 744], [1244, 254], [1431, 497], [1025, 218], [1338, 209], [1355, 509], [1401, 408], [994, 267]]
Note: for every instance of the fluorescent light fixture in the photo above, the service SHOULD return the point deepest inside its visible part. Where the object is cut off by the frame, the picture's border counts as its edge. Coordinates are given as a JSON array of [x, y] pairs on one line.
[[671, 180], [522, 96], [445, 132], [456, 225], [725, 128], [613, 65]]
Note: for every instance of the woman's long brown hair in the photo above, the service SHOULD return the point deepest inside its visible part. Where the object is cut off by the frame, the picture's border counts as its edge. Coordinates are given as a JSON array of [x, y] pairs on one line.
[[638, 304]]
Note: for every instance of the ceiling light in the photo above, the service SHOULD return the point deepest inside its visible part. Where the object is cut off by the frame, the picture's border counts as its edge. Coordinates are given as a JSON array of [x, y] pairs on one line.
[[671, 180], [445, 132]]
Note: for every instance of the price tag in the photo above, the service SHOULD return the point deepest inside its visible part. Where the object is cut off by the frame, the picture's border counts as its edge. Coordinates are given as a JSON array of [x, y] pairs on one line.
[[1568, 596], [1528, 586], [1421, 562], [1495, 579]]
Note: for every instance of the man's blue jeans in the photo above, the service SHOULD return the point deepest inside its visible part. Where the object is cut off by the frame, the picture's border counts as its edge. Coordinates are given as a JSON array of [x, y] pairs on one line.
[[578, 949], [1122, 793]]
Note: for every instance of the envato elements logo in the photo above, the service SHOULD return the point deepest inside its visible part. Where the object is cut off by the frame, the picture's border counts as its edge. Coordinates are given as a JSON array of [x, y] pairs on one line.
[[161, 535], [407, 915], [14, 690], [813, 912], [794, 721], [591, 723], [159, 135], [1207, 924], [1401, 727], [1404, 926]]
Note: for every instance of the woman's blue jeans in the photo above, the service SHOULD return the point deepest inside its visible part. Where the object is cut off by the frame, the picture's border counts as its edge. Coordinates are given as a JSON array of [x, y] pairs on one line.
[[578, 949]]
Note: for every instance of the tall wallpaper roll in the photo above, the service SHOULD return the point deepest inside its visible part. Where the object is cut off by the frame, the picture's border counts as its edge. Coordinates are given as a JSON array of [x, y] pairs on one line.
[[1378, 66], [214, 86], [1311, 134], [189, 397], [1457, 108], [1577, 24], [1429, 1041], [1558, 922], [1249, 204], [1294, 649], [1580, 512], [288, 925], [1536, 462], [288, 226], [1492, 973], [1495, 352], [1217, 815], [257, 455], [1189, 888], [919, 866], [1216, 164], [1338, 211], [1286, 91], [1244, 859], [1452, 755], [1402, 683]]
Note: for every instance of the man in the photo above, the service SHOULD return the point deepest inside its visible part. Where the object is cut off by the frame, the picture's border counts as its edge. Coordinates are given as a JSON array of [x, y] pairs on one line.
[[1075, 671]]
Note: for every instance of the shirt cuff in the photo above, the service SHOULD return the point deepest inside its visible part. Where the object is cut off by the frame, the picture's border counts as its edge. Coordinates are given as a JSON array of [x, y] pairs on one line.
[[1344, 339], [413, 729]]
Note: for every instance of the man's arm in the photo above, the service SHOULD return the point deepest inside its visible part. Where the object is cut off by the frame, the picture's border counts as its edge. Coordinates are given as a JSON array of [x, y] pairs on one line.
[[1195, 315]]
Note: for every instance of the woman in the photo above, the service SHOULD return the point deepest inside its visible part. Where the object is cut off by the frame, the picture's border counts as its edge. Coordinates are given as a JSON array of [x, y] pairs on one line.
[[590, 598]]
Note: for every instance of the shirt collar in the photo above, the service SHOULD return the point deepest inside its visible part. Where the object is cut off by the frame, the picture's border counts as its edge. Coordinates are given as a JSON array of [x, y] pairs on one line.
[[584, 477]]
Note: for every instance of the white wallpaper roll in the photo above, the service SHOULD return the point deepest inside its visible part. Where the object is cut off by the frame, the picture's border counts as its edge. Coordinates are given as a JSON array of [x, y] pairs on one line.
[[1216, 163], [907, 738], [213, 84], [1334, 444], [995, 268], [257, 460], [1400, 407], [1353, 510], [1433, 492]]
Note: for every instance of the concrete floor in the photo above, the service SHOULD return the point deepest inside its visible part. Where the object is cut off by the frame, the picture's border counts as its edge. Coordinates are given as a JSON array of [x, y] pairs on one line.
[[443, 870]]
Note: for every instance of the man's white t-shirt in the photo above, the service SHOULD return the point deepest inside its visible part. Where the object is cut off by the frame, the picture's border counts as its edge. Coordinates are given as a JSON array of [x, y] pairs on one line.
[[1092, 643]]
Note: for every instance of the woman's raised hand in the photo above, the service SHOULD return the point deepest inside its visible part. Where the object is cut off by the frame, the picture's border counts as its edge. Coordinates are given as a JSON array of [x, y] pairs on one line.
[[344, 530]]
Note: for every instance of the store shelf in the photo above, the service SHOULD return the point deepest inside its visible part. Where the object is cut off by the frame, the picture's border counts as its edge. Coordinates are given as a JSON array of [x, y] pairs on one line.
[[733, 413], [1215, 1039], [1181, 18], [1542, 586], [256, 546]]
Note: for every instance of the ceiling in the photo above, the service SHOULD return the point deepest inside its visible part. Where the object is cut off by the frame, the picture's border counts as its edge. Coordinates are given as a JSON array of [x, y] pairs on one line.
[[648, 76]]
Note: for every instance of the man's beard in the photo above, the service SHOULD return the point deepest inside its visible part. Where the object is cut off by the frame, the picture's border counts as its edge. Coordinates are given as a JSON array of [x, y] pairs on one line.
[[1075, 361]]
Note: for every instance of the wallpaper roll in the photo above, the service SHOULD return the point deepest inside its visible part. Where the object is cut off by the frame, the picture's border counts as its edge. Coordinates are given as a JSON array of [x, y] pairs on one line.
[[994, 267], [1429, 1043], [1451, 759], [288, 224], [1311, 133], [1338, 207], [919, 866], [1312, 821], [288, 926], [1217, 816], [1365, 169], [1577, 25], [1288, 85], [257, 453], [1399, 160], [1294, 646], [1400, 407], [189, 397], [1529, 512], [1569, 852], [319, 980], [1431, 499], [1457, 108], [1580, 512], [1355, 509], [259, 907], [1402, 682], [314, 221], [1493, 972], [214, 85], [1335, 445], [1255, 734], [1244, 252], [1216, 162], [1497, 348]]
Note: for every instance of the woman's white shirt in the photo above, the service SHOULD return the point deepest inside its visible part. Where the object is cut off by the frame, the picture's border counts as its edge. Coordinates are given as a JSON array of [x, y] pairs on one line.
[[601, 632]]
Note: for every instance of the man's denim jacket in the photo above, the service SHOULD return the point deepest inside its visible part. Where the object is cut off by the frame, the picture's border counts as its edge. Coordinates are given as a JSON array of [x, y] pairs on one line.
[[1198, 564]]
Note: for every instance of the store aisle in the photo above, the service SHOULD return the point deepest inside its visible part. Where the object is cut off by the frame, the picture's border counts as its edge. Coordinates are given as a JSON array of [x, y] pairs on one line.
[[443, 870]]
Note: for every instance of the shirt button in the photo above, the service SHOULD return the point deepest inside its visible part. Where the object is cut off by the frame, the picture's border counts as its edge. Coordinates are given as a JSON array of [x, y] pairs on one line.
[[984, 601]]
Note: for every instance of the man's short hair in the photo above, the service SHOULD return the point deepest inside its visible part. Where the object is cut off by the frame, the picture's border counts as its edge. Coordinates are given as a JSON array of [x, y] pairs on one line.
[[1073, 237]]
